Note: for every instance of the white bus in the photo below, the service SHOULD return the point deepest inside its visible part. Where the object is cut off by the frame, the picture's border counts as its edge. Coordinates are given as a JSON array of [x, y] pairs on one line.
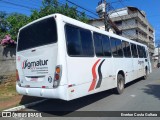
[[59, 57]]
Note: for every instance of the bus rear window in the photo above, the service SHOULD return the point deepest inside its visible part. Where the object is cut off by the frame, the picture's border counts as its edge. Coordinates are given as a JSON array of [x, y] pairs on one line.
[[38, 34]]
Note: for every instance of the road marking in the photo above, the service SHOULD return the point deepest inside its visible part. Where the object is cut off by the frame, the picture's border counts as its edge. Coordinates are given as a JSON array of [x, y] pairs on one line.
[[25, 106], [133, 95]]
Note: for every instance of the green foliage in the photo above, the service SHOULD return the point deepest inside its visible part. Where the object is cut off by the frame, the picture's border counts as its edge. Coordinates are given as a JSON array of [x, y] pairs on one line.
[[10, 24], [52, 6], [15, 22], [3, 24]]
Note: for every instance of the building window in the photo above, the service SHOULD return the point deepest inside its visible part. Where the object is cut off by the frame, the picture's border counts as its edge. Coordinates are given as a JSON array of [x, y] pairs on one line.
[[118, 23]]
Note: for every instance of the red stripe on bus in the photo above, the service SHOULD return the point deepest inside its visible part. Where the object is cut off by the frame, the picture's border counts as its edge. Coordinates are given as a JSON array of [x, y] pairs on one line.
[[94, 76]]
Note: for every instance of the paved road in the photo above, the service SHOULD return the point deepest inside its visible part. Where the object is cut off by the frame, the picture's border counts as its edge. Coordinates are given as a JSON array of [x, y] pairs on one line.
[[140, 95]]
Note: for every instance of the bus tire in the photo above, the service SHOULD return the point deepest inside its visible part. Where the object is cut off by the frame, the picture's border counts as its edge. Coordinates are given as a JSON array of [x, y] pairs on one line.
[[146, 74], [120, 84]]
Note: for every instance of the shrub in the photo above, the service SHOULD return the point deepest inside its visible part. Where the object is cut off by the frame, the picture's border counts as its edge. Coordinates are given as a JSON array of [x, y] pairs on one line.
[[7, 41]]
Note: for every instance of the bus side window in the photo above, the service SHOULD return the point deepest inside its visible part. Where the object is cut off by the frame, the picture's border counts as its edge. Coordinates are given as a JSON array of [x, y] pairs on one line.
[[98, 44], [87, 43], [144, 52], [140, 51], [106, 46], [134, 51], [126, 49], [102, 45], [116, 47], [79, 42], [73, 41]]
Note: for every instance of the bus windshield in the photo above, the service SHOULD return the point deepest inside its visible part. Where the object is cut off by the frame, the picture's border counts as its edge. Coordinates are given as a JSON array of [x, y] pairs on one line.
[[38, 34]]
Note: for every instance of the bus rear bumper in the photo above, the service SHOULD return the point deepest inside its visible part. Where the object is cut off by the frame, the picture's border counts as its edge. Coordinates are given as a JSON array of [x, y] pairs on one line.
[[59, 93]]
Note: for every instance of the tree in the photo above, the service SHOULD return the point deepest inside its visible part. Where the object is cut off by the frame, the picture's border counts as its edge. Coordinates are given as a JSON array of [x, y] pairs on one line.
[[53, 6], [10, 24], [3, 24], [15, 22]]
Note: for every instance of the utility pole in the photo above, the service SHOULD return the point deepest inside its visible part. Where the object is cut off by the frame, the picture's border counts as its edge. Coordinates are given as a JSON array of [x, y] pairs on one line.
[[103, 13], [101, 10], [105, 16]]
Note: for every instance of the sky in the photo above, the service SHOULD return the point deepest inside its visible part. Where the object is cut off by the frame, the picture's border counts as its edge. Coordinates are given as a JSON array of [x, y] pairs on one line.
[[151, 8]]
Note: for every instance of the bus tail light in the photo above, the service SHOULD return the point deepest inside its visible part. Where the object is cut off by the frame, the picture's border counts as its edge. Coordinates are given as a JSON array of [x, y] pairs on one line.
[[57, 76]]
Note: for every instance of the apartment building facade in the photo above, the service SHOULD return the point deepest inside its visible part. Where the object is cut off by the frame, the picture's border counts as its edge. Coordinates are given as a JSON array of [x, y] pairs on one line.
[[132, 24]]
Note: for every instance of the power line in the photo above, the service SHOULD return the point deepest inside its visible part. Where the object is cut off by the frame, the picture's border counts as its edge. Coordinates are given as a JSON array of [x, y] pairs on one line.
[[14, 7], [92, 12], [31, 3], [82, 8], [23, 6], [78, 11], [117, 1]]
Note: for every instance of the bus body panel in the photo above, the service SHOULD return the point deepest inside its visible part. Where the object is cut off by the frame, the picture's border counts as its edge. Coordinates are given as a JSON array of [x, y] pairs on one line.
[[81, 76], [37, 68], [120, 62], [59, 93], [88, 75], [141, 67]]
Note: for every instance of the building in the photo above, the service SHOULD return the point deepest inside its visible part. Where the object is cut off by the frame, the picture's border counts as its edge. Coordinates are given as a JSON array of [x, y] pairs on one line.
[[132, 24], [156, 57]]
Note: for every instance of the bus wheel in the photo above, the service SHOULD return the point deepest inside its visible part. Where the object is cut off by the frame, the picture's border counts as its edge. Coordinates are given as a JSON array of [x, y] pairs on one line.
[[120, 84], [146, 74]]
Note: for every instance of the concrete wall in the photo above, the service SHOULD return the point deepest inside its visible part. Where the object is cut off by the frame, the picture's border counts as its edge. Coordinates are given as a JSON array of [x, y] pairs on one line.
[[7, 59]]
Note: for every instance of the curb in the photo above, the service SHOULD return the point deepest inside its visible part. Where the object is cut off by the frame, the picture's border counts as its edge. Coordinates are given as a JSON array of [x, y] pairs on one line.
[[25, 106]]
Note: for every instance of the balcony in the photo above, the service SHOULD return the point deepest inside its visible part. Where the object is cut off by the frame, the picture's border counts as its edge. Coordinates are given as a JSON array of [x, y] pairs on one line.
[[141, 27], [139, 38], [130, 16], [133, 26], [150, 34], [126, 27]]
